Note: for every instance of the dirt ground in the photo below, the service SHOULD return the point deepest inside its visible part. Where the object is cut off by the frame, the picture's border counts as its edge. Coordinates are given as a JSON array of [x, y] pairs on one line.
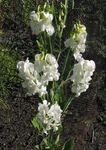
[[87, 121]]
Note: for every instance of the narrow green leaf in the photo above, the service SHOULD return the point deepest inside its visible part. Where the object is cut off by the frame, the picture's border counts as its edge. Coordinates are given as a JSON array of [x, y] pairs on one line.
[[46, 142], [57, 139]]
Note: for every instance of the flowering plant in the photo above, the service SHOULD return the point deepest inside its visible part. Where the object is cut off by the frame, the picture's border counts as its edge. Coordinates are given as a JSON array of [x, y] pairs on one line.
[[45, 76]]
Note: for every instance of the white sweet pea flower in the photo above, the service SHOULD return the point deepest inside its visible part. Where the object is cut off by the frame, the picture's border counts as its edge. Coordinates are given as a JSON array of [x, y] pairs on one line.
[[32, 79], [51, 60], [39, 62], [82, 73], [77, 41], [50, 30], [47, 66], [47, 23], [51, 73], [51, 68], [55, 113], [49, 116], [26, 69], [33, 88], [34, 17], [35, 23], [37, 76], [42, 112], [70, 43], [40, 22]]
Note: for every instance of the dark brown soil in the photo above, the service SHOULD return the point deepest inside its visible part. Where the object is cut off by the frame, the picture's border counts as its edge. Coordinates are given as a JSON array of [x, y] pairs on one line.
[[87, 121]]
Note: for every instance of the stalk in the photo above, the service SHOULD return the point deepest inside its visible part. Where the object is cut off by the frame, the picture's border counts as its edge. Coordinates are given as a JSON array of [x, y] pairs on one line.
[[65, 17], [65, 64], [50, 43], [68, 103]]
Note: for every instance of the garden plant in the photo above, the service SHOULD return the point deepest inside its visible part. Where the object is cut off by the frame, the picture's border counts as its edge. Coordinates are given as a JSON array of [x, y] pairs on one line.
[[59, 60]]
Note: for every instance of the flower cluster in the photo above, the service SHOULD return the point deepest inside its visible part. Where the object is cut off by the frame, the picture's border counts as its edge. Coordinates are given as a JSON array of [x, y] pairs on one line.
[[41, 21], [84, 69], [49, 116], [82, 73], [37, 75], [77, 41]]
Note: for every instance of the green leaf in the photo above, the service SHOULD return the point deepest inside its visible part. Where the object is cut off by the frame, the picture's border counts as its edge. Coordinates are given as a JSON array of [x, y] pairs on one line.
[[69, 145], [57, 139], [37, 147], [35, 123], [46, 142]]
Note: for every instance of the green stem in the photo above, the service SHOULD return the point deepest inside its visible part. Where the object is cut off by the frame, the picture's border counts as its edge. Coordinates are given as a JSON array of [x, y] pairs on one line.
[[68, 76], [73, 3], [45, 44], [65, 64], [60, 53], [68, 103], [65, 17], [43, 97], [50, 43]]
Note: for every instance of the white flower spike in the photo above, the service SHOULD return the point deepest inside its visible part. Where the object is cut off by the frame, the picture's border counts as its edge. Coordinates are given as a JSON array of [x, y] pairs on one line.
[[82, 73], [37, 76], [77, 41], [40, 22], [49, 116]]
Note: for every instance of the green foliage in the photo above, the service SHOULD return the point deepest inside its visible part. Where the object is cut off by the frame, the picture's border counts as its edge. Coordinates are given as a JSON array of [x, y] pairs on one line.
[[8, 73], [35, 123]]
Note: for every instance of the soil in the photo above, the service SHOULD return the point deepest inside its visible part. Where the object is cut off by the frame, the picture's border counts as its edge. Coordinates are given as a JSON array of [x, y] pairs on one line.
[[86, 120]]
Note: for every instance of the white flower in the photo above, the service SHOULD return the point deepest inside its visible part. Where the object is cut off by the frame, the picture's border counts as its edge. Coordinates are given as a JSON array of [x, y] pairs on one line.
[[77, 41], [50, 30], [49, 116], [39, 62], [41, 21], [51, 68], [55, 113], [42, 112], [31, 77], [48, 66], [37, 76], [51, 73], [51, 60], [47, 23], [35, 23], [33, 87], [26, 69], [70, 43], [82, 73]]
